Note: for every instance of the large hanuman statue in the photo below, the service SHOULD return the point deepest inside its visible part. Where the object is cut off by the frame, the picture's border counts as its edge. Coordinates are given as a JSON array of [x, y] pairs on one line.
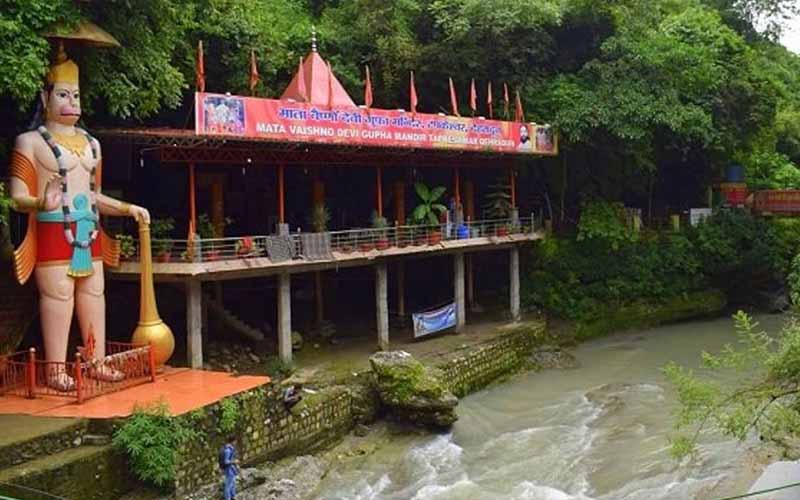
[[55, 178]]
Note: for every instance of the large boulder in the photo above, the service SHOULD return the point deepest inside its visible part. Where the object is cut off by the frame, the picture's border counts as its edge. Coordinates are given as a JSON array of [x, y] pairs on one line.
[[412, 392]]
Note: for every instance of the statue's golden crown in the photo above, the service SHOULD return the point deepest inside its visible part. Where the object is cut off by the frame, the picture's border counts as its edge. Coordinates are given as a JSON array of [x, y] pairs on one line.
[[63, 70]]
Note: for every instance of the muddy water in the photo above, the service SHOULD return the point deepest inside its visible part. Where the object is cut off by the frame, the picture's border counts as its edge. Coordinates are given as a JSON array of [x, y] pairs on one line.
[[597, 432]]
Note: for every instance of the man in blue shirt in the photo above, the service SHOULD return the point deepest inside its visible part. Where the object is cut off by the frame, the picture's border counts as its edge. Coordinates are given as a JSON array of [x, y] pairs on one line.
[[229, 465]]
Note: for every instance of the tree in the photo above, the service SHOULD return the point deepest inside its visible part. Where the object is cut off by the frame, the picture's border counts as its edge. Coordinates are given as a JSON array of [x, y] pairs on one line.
[[764, 398]]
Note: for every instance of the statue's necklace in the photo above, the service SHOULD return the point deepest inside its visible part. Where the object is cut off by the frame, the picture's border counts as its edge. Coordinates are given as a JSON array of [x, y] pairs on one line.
[[62, 172], [76, 143]]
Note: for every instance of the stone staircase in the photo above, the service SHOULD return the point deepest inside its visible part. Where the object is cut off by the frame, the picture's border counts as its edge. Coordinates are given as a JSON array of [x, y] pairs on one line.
[[46, 458], [232, 321]]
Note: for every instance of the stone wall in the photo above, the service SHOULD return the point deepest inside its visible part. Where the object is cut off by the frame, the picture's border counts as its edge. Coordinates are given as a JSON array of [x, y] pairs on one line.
[[268, 431], [20, 452], [491, 361]]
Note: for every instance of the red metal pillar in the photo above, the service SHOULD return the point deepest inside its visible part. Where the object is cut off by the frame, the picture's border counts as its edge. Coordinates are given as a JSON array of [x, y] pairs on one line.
[[400, 202], [457, 186], [512, 180], [192, 203], [78, 378], [281, 206], [469, 200]]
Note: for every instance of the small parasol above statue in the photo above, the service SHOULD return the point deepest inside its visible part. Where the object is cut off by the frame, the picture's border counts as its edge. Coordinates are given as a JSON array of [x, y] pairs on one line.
[[56, 179]]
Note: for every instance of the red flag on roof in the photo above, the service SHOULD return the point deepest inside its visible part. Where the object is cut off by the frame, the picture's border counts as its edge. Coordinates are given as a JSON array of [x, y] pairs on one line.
[[506, 101], [301, 82], [473, 97], [453, 100], [330, 86], [253, 72], [489, 100], [519, 114], [368, 90], [413, 94], [200, 69]]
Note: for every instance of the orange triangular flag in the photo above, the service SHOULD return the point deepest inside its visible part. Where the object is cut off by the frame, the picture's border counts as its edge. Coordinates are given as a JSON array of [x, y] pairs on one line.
[[301, 81], [413, 94], [453, 100], [200, 69], [473, 97], [368, 90], [253, 72], [519, 114], [489, 100]]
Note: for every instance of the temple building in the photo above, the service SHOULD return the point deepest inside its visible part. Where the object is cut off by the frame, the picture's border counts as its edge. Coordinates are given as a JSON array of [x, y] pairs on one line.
[[269, 193]]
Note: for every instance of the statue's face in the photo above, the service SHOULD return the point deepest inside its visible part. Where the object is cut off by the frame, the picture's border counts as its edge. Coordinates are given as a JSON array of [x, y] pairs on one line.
[[63, 103]]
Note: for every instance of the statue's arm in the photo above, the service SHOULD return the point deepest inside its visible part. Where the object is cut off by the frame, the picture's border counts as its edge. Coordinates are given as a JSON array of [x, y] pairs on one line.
[[21, 164], [110, 206]]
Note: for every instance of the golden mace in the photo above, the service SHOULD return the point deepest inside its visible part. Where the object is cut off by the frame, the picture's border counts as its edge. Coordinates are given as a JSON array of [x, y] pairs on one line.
[[151, 329]]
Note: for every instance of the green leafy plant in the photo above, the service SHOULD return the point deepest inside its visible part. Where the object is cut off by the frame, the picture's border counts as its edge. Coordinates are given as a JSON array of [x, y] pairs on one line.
[[151, 437], [320, 216], [763, 399], [6, 249], [429, 208], [5, 205], [605, 221], [161, 231], [127, 246], [498, 202], [228, 416]]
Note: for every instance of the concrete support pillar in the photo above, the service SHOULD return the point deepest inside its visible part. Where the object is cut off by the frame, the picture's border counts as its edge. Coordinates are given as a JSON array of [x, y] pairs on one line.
[[470, 283], [284, 318], [194, 324], [401, 290], [319, 299], [382, 305], [458, 281], [514, 283]]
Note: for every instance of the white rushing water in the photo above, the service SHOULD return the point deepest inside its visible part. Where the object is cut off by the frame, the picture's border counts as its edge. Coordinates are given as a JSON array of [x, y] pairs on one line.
[[598, 432]]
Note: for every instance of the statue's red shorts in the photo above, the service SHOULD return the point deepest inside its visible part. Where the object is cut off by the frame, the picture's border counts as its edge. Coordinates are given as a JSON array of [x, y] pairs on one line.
[[52, 246]]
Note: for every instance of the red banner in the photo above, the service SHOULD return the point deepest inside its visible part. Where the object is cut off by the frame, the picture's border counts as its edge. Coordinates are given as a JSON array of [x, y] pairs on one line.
[[785, 201], [271, 119]]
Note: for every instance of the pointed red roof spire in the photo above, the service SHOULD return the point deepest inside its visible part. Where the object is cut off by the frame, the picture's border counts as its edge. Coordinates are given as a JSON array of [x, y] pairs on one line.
[[315, 83]]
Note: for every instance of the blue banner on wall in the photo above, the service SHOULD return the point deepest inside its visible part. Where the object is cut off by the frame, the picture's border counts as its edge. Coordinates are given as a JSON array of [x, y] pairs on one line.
[[434, 321]]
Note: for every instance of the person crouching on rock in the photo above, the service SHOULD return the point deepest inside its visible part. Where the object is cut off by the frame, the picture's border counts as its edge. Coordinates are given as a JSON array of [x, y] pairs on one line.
[[291, 396], [230, 468]]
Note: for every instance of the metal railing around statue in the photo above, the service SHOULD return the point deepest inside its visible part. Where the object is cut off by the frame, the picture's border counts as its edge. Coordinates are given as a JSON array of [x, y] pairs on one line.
[[24, 374], [341, 242]]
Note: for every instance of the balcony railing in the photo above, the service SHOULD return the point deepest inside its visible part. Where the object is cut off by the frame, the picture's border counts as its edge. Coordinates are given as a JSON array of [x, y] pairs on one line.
[[321, 245]]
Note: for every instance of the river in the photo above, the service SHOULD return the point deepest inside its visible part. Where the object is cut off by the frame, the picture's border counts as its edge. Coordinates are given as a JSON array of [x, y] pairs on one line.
[[596, 432]]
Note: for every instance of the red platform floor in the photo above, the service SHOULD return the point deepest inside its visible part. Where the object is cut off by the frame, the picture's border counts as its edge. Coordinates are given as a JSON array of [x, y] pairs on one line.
[[182, 389]]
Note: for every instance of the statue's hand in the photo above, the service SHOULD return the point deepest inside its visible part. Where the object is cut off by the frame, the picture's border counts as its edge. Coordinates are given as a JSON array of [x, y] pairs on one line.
[[140, 214], [51, 199]]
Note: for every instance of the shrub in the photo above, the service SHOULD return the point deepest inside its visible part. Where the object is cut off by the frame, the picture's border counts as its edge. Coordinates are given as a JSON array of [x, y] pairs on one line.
[[229, 415], [151, 437]]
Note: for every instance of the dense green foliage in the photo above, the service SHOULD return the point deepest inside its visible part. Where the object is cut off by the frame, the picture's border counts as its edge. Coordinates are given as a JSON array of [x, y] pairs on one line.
[[606, 264], [151, 437], [763, 399], [228, 416]]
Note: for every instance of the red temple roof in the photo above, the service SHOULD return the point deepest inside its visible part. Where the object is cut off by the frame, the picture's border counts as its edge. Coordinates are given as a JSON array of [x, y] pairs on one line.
[[322, 88]]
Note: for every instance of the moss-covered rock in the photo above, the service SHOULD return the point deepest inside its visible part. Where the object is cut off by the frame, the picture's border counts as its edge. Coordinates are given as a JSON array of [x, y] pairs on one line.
[[411, 391], [646, 314]]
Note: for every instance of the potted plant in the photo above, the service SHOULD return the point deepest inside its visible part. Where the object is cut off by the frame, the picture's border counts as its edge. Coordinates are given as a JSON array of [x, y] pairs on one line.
[[380, 224], [161, 230], [429, 210], [127, 246], [365, 242], [498, 206], [245, 246], [320, 216], [206, 230]]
